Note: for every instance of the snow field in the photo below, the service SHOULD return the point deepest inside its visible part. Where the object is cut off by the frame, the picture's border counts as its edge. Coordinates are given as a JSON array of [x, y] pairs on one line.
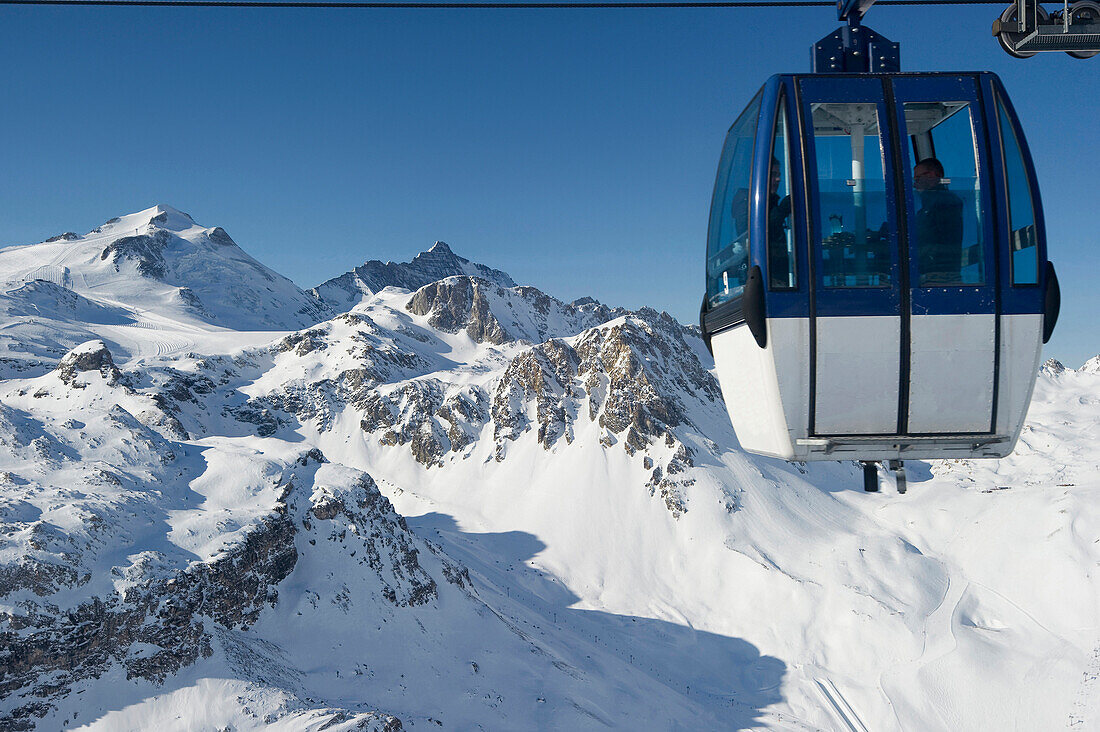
[[782, 597]]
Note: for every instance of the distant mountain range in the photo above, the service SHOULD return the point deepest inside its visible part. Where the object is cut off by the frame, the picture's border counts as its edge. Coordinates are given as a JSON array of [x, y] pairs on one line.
[[346, 291], [420, 496]]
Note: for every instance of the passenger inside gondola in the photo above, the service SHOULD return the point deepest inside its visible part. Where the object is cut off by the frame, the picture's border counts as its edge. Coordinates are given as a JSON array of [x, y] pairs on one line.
[[779, 211], [939, 226]]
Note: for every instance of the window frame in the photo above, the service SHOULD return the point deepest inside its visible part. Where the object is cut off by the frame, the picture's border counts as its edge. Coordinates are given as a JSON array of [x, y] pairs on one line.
[[733, 300], [892, 273], [1004, 113], [781, 113], [917, 280]]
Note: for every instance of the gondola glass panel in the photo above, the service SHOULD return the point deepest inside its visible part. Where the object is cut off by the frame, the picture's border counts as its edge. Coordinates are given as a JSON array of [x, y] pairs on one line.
[[781, 253], [947, 223], [1025, 253], [728, 237], [852, 196]]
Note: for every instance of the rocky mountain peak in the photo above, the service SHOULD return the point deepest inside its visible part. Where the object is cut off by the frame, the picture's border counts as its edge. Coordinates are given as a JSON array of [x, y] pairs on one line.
[[172, 219], [440, 262], [1053, 367], [491, 313]]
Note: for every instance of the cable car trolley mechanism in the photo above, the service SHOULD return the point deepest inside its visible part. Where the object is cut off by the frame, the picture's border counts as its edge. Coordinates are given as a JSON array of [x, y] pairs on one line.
[[1026, 28], [877, 282]]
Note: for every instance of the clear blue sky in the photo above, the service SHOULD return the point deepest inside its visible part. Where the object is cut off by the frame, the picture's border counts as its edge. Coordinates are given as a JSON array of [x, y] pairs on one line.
[[574, 149]]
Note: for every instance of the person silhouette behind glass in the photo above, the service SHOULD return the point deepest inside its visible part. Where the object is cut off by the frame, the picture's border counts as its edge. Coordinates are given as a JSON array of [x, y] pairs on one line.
[[939, 226], [779, 210]]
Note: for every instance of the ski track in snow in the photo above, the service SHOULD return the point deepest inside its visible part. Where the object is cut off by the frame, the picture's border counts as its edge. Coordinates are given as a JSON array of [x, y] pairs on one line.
[[836, 701], [160, 344]]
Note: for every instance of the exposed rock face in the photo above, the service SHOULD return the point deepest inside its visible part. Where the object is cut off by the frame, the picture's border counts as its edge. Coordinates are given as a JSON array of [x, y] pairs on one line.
[[171, 218], [86, 641], [459, 303], [489, 313], [67, 236], [344, 292], [156, 622], [622, 371], [221, 237], [90, 356], [424, 414], [631, 377], [1053, 367], [544, 375], [371, 356], [636, 377], [355, 511], [145, 250]]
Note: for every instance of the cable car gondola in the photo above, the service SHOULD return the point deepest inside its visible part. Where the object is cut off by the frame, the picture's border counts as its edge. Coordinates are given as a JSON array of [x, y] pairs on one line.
[[878, 286]]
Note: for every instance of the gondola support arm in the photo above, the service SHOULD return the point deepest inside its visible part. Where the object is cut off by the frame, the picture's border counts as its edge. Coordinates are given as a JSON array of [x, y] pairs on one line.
[[855, 47]]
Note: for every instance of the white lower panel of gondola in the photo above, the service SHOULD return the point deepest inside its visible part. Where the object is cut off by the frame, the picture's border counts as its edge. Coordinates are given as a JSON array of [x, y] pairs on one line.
[[951, 373], [765, 389], [856, 387], [1021, 353]]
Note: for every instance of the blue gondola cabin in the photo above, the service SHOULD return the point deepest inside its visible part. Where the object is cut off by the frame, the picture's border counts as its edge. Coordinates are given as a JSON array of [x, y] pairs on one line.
[[877, 276]]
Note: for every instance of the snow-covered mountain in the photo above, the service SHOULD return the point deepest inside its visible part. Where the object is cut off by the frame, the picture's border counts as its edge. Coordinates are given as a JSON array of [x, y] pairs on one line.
[[469, 505], [348, 290], [155, 270]]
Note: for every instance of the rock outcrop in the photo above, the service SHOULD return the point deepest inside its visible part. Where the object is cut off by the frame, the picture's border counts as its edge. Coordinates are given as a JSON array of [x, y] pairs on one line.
[[459, 303], [90, 356], [158, 619], [344, 292]]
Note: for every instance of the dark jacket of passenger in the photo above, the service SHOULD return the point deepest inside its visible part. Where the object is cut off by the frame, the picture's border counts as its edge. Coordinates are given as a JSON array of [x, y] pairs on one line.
[[940, 234]]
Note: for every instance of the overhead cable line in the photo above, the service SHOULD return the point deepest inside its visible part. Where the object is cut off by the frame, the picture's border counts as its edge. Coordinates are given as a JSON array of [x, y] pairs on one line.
[[321, 4]]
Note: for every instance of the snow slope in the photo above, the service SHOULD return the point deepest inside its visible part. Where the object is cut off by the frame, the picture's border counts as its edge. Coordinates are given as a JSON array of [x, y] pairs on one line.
[[473, 506]]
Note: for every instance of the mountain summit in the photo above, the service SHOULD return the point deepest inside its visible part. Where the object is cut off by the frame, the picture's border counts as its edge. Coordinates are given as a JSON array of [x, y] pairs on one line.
[[156, 269], [160, 260], [346, 291]]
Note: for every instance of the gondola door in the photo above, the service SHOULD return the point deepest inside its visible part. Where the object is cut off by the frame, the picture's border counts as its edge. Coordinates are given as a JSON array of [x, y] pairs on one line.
[[856, 295], [950, 376]]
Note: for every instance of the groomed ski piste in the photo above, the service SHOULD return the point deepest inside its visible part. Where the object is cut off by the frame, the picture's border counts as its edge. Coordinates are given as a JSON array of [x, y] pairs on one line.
[[470, 505]]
